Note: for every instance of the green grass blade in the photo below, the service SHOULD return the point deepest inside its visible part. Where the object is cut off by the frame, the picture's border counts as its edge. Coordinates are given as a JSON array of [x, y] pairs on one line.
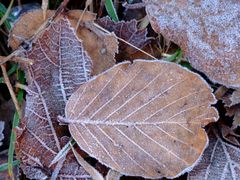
[[12, 145], [111, 10], [10, 72], [16, 120], [4, 166], [5, 16], [3, 10], [177, 55]]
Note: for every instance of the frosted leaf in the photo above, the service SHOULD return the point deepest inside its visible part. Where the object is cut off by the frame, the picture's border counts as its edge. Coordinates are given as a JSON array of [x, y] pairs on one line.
[[143, 119], [208, 31], [128, 31], [60, 66], [220, 160]]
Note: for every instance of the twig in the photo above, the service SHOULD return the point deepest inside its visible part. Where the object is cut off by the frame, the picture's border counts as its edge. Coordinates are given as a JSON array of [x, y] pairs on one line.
[[10, 56], [88, 2], [120, 39], [7, 81], [14, 58]]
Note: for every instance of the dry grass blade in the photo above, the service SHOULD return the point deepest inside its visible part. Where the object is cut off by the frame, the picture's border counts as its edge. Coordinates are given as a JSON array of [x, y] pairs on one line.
[[93, 172], [88, 2], [113, 115], [44, 8]]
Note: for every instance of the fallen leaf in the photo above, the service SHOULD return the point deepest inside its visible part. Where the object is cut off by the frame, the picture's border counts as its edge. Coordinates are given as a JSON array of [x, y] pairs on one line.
[[60, 66], [220, 160], [103, 52], [232, 106], [100, 46], [127, 31], [207, 31], [235, 97], [113, 115]]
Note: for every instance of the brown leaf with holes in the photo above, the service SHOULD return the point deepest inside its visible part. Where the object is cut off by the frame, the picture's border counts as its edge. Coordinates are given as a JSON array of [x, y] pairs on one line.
[[100, 46], [143, 119], [207, 31], [220, 160], [60, 66], [128, 31]]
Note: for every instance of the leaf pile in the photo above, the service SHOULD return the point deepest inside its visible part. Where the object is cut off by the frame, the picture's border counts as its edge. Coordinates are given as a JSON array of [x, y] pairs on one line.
[[145, 118]]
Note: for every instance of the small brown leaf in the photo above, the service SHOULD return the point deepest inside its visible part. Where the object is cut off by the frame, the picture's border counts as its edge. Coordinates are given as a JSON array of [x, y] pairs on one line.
[[208, 32], [60, 66], [220, 160], [235, 97], [143, 119], [127, 31], [232, 105]]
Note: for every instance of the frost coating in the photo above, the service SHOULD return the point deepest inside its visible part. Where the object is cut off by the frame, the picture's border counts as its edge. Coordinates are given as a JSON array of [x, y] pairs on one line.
[[60, 66], [220, 160], [114, 114], [207, 30]]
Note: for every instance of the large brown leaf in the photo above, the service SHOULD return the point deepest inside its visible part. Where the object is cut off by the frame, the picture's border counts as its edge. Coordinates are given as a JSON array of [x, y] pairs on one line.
[[60, 66], [220, 160], [208, 32], [143, 119]]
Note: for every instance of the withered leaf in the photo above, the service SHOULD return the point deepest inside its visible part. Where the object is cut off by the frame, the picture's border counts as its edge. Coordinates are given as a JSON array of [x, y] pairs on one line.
[[235, 98], [232, 105], [143, 119], [207, 31], [101, 47], [128, 31], [60, 66], [220, 160]]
